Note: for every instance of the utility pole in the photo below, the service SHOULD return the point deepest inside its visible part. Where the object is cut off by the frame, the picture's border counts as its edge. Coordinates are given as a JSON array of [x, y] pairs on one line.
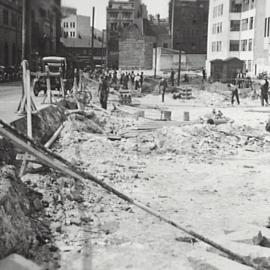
[[26, 30], [172, 22], [155, 71], [179, 66], [102, 48], [93, 37]]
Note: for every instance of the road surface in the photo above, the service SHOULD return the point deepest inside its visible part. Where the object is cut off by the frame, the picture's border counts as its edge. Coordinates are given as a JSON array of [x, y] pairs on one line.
[[10, 94]]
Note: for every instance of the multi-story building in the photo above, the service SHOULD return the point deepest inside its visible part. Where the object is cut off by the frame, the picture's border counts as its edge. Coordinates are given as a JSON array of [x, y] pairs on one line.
[[10, 32], [76, 26], [188, 22], [120, 14], [241, 29], [46, 26]]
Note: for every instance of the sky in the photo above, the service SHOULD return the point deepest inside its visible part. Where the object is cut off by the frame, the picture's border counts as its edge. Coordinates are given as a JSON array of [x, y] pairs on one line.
[[84, 7]]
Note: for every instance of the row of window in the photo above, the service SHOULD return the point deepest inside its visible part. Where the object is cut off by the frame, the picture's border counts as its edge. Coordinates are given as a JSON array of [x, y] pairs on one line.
[[217, 28], [243, 25], [71, 25], [267, 27], [125, 15], [115, 26], [238, 7], [69, 34], [243, 45], [7, 52], [218, 11], [9, 18]]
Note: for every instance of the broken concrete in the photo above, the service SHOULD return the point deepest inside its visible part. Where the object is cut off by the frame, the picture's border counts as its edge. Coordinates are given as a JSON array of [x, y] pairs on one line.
[[17, 262]]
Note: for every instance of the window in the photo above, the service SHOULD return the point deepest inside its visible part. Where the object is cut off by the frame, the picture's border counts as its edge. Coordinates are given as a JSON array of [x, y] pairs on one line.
[[127, 15], [235, 25], [249, 65], [125, 25], [244, 45], [251, 23], [165, 45], [244, 23], [70, 34], [114, 15], [5, 16], [73, 25], [113, 26], [14, 20], [250, 44], [70, 24], [234, 45], [216, 46]]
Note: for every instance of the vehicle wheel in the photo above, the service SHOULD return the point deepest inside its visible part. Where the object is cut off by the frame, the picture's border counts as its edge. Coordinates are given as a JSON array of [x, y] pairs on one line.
[[36, 91]]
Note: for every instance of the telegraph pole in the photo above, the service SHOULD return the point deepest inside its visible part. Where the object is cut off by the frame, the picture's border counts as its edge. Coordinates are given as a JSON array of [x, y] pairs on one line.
[[93, 37], [102, 48], [172, 22], [26, 30], [179, 66]]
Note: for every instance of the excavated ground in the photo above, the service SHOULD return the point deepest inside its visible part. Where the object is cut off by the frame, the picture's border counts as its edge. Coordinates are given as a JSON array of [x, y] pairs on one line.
[[212, 179]]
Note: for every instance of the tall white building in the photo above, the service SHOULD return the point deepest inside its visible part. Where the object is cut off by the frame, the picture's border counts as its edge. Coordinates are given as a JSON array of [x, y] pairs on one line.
[[76, 26], [240, 28]]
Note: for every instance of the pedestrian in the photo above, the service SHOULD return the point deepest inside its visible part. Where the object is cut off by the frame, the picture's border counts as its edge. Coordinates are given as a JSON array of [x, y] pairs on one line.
[[137, 81], [234, 90], [132, 77], [125, 81], [141, 79], [172, 77], [239, 79], [204, 74], [114, 79], [104, 92], [162, 87], [264, 92]]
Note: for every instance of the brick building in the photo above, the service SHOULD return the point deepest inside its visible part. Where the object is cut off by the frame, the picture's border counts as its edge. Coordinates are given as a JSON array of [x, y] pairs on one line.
[[10, 32], [189, 23], [136, 46], [120, 15]]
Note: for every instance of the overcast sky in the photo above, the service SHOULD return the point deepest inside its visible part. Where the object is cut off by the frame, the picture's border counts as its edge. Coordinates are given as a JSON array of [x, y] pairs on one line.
[[85, 8]]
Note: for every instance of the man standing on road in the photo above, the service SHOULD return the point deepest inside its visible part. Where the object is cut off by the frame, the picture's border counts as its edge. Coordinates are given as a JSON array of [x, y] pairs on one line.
[[162, 87], [172, 77], [235, 93], [264, 92], [103, 92]]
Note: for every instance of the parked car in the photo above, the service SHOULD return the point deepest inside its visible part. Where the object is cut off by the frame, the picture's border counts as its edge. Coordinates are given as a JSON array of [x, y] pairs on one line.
[[54, 63]]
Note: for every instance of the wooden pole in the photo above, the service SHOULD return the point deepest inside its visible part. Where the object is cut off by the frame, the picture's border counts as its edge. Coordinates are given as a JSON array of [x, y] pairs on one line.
[[48, 84], [155, 71], [179, 67], [102, 48], [60, 164], [29, 105], [172, 22], [93, 37]]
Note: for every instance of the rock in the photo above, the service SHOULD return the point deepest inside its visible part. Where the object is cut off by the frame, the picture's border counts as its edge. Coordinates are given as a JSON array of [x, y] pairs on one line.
[[17, 262]]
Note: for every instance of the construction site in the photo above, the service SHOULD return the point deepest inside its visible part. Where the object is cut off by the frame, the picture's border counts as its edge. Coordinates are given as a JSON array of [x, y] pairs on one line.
[[145, 184]]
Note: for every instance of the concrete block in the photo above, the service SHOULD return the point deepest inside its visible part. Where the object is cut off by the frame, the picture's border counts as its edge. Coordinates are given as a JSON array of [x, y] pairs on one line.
[[17, 262], [202, 260]]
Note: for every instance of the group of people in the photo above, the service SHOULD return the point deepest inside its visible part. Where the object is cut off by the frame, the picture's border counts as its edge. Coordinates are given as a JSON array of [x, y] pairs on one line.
[[110, 78], [264, 92]]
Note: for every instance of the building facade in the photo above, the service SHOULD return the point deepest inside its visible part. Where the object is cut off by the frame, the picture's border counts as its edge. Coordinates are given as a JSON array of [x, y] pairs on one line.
[[241, 29], [46, 27], [76, 26], [10, 32], [188, 21], [120, 15]]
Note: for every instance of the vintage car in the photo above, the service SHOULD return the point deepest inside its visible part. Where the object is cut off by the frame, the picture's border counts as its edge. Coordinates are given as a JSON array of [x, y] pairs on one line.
[[54, 63]]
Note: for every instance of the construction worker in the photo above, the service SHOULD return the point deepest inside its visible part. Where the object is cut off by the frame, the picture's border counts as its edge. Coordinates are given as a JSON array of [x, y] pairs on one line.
[[162, 87], [137, 81], [103, 92], [172, 77], [234, 90], [264, 92]]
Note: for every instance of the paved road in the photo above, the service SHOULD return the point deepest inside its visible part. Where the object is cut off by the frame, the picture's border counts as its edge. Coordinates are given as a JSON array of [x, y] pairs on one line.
[[10, 94]]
